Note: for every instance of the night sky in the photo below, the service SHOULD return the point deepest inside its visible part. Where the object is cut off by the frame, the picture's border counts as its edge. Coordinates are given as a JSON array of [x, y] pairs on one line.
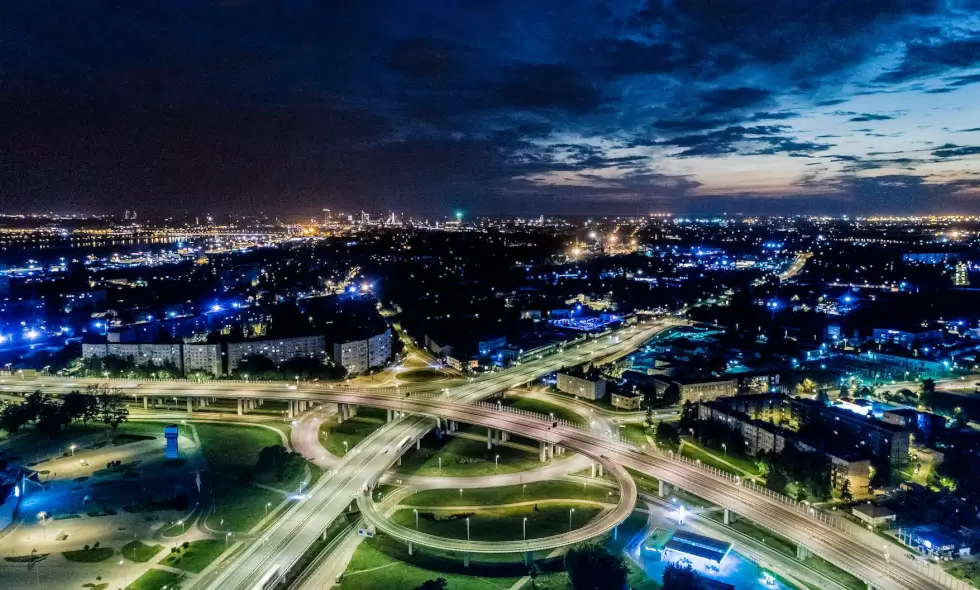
[[490, 106]]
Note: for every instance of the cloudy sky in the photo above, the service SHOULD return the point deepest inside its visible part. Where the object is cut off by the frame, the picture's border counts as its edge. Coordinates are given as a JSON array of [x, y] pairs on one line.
[[491, 106]]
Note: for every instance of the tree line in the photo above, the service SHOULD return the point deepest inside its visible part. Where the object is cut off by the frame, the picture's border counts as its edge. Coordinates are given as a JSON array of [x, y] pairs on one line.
[[97, 403]]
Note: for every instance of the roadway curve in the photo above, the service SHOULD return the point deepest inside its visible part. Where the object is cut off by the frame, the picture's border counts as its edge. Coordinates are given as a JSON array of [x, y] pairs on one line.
[[372, 513]]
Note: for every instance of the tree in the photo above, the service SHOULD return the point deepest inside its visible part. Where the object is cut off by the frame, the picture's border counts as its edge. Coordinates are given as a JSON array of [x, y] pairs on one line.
[[801, 494], [928, 393], [806, 387], [681, 577], [79, 406], [592, 567], [672, 395], [649, 416], [437, 584], [845, 491], [109, 405], [533, 572], [777, 479], [12, 417], [667, 435]]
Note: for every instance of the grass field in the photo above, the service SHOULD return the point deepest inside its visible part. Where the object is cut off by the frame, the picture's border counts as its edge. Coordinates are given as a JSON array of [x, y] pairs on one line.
[[465, 457], [422, 375], [196, 556], [543, 407], [544, 490], [352, 431], [968, 571], [635, 433], [241, 507], [716, 459], [89, 555], [504, 523], [382, 563], [139, 552], [156, 580]]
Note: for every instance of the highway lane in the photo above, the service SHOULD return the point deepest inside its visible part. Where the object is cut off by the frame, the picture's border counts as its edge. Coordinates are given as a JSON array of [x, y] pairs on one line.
[[289, 538], [373, 514], [854, 550]]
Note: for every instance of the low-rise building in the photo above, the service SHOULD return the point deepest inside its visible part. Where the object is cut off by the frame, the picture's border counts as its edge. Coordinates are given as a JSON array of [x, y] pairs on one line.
[[874, 515], [700, 390], [582, 387], [626, 401]]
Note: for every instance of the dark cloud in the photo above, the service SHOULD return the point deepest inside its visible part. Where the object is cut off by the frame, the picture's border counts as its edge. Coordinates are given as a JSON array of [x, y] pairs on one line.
[[924, 58], [546, 86], [239, 104], [729, 99], [950, 151], [870, 117]]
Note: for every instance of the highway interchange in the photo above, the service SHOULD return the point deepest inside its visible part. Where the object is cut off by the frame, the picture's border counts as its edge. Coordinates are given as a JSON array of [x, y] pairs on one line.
[[853, 549]]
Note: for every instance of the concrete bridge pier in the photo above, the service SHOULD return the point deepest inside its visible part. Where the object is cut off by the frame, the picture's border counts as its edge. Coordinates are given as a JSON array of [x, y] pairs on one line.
[[466, 560], [489, 437], [146, 403], [202, 402], [290, 409], [662, 489], [418, 444], [240, 412], [410, 548], [527, 558], [729, 516], [504, 436], [600, 470], [802, 552], [190, 404], [593, 469], [542, 452], [390, 415], [340, 413]]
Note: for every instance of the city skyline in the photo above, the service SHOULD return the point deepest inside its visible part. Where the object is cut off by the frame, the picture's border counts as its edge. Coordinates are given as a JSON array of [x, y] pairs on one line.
[[576, 107]]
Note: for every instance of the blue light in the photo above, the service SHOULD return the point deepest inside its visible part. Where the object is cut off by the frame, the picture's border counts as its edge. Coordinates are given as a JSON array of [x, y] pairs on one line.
[[847, 299], [215, 308], [31, 334]]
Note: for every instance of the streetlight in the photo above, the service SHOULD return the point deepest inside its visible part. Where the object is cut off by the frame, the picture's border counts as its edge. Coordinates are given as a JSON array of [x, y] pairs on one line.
[[72, 447], [460, 493], [724, 448], [523, 489], [570, 519], [228, 534], [496, 462], [525, 528], [267, 504], [416, 511], [345, 447], [467, 528]]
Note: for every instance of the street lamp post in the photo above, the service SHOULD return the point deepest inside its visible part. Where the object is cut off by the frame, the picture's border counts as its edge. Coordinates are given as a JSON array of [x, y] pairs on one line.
[[416, 511], [570, 519], [228, 534], [496, 462], [267, 504], [467, 528], [525, 528], [72, 447], [724, 447], [523, 489], [345, 447]]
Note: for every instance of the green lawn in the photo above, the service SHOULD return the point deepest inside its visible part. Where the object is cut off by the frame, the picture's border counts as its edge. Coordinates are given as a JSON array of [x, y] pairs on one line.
[[968, 571], [156, 580], [383, 563], [139, 552], [713, 457], [635, 433], [196, 556], [645, 483], [422, 375], [503, 524], [465, 457], [89, 555], [352, 431], [240, 506], [543, 407], [544, 490]]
